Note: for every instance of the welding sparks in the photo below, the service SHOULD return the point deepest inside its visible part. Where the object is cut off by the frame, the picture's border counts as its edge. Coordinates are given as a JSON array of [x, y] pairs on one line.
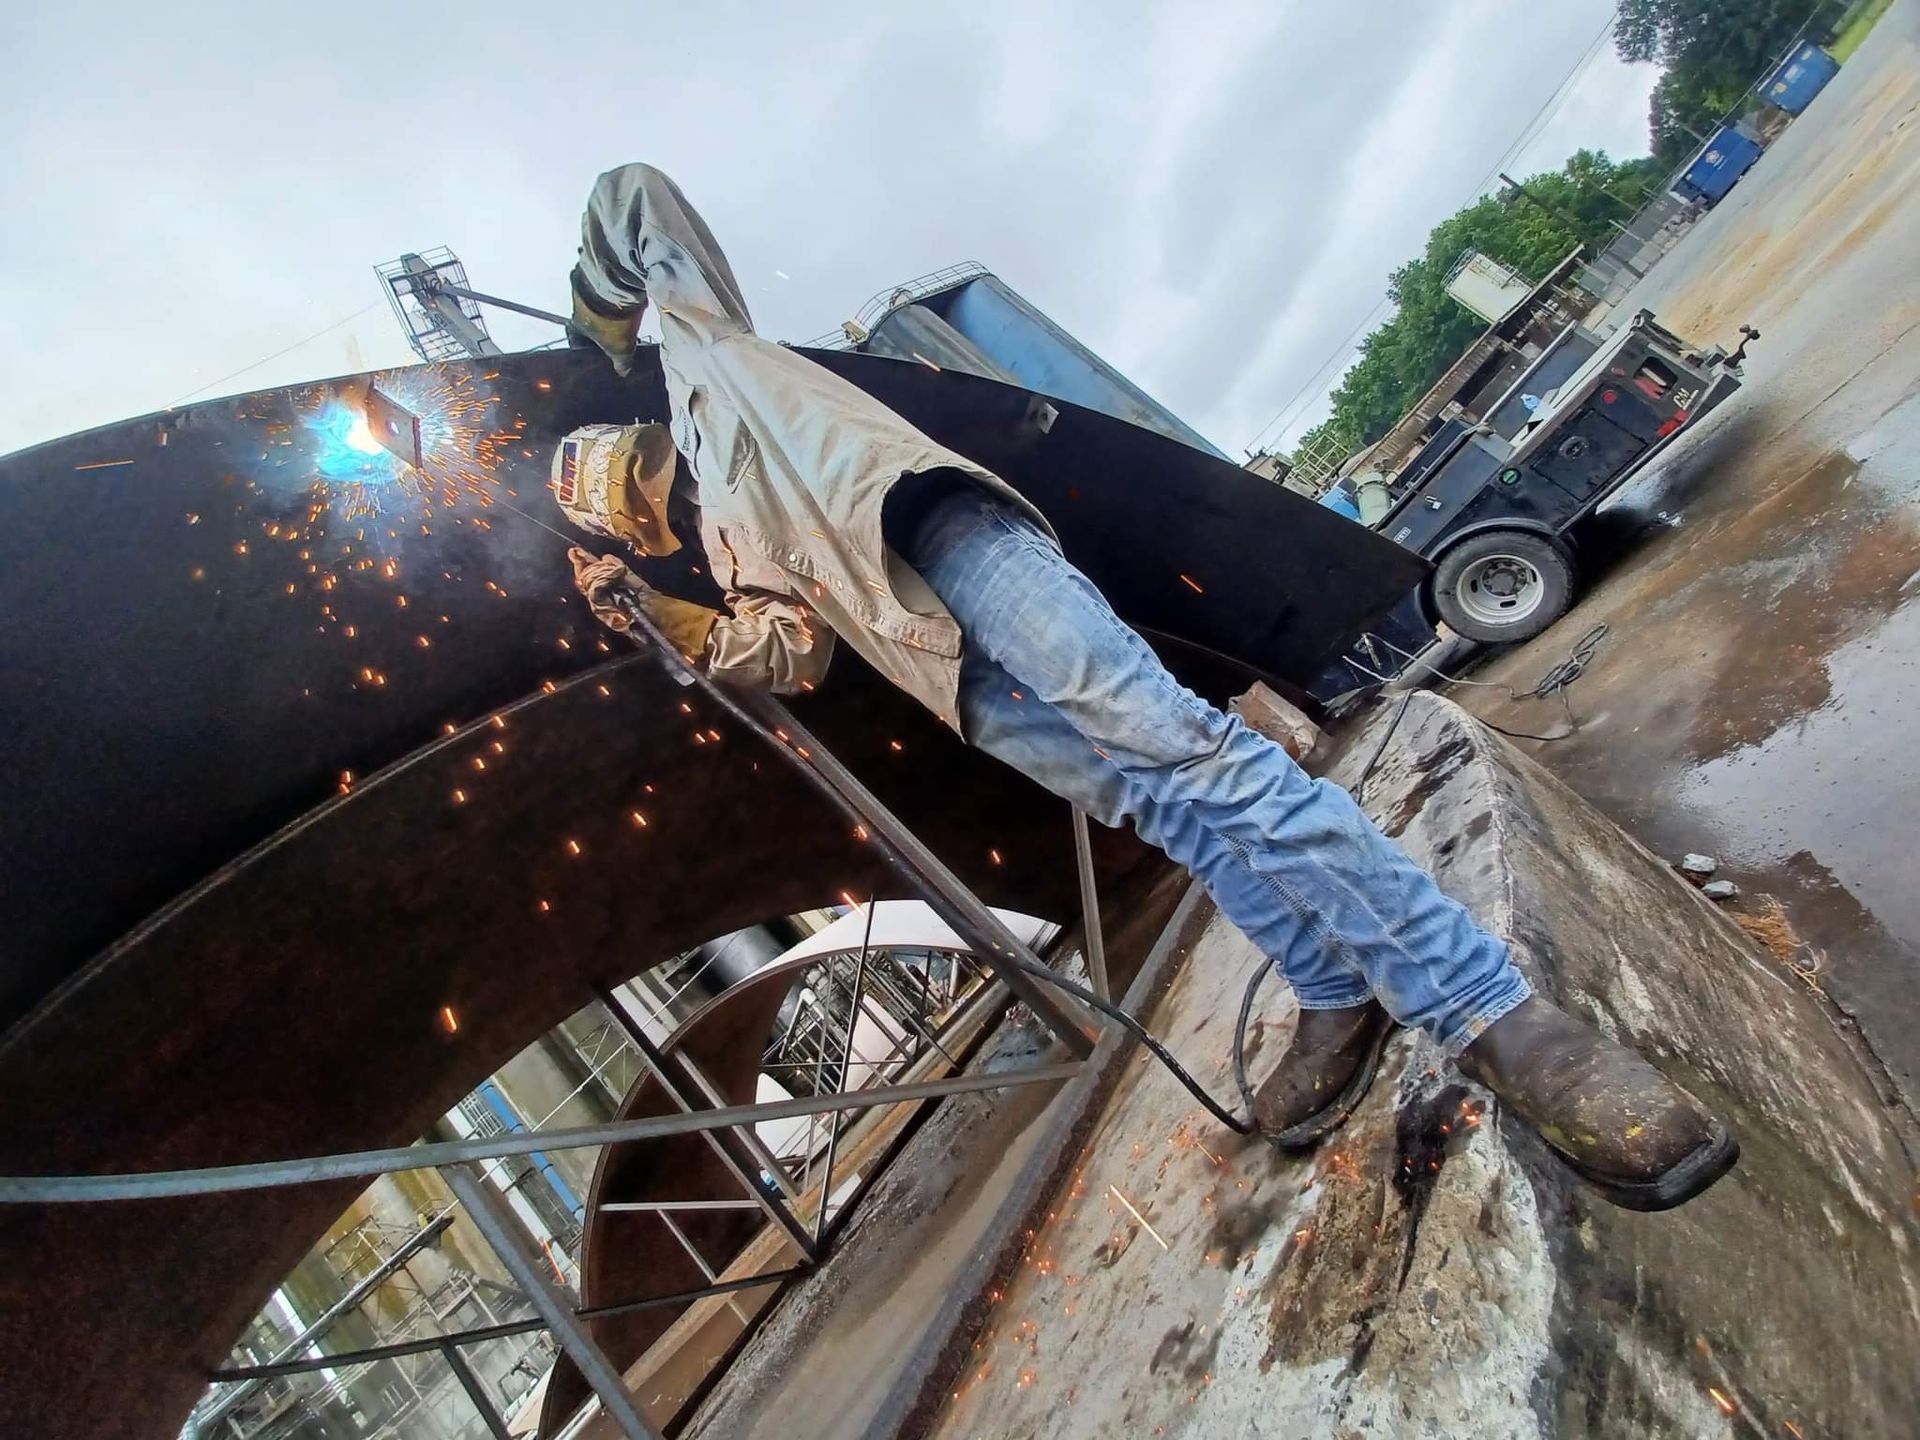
[[449, 1020], [573, 847], [102, 464], [1722, 1400], [1193, 584], [1115, 1191], [639, 820]]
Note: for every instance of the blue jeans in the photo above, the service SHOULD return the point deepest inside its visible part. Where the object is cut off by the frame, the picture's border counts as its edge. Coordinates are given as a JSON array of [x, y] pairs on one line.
[[1056, 685]]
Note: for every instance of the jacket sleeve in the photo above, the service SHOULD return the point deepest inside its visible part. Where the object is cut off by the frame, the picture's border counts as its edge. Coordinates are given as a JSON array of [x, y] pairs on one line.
[[640, 240], [770, 641]]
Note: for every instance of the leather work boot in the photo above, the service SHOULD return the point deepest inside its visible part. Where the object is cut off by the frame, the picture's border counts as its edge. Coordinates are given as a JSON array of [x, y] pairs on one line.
[[1323, 1075], [1618, 1123]]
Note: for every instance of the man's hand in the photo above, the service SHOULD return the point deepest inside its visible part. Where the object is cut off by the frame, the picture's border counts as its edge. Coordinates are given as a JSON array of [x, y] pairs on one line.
[[594, 576]]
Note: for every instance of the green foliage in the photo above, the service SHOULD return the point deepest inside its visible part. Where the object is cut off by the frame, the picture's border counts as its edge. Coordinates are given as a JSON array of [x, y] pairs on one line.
[[1712, 52], [1400, 361]]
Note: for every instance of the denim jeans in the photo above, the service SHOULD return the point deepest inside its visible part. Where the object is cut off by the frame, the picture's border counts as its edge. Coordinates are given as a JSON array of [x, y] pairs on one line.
[[1056, 685]]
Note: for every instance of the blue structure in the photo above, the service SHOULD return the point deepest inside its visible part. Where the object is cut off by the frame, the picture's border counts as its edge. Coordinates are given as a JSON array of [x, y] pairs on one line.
[[967, 318], [1719, 165], [1340, 502], [1804, 75]]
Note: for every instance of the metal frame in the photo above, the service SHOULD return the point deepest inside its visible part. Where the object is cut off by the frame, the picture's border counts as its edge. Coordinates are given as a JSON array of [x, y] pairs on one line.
[[904, 852], [727, 1129], [675, 1077], [365, 1164], [489, 1213]]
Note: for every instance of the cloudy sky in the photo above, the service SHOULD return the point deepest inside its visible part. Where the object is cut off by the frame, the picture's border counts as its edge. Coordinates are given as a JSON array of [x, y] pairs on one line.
[[1212, 203]]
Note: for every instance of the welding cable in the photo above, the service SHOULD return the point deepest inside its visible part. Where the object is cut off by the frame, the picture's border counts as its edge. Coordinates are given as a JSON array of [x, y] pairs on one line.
[[1146, 1037], [1556, 681], [1360, 785]]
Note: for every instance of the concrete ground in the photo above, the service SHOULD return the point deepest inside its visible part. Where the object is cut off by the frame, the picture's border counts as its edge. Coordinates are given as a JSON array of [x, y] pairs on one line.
[[1429, 1272], [1753, 697]]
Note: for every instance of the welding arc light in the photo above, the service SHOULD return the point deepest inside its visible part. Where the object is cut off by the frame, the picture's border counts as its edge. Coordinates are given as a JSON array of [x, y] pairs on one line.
[[360, 437]]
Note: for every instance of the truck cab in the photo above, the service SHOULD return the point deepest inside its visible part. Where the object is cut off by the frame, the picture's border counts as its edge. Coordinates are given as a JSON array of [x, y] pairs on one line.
[[1492, 491]]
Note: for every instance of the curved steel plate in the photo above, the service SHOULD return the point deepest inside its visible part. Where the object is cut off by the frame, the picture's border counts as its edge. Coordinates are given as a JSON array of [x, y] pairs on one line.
[[221, 622]]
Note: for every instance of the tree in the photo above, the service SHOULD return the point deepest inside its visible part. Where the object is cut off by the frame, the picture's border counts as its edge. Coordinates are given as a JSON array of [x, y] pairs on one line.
[[1712, 52], [1400, 361]]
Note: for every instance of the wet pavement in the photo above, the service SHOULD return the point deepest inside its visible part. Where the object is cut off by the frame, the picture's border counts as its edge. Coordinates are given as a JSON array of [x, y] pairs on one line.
[[1755, 696]]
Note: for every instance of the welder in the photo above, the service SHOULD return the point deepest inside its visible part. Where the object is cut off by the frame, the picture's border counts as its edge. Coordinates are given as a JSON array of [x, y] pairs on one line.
[[827, 518]]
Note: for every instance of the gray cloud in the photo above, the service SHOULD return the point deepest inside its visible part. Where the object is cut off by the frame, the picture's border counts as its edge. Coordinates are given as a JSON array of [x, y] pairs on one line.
[[1211, 196]]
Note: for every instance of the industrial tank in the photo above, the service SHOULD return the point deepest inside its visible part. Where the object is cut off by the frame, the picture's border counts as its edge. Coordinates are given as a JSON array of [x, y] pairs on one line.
[[967, 318]]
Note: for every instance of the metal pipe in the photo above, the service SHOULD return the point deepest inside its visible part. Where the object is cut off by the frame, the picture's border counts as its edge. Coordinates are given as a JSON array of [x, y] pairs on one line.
[[669, 1074], [641, 1207], [362, 1164], [339, 1310], [494, 300], [700, 1261], [1090, 906], [470, 1383], [687, 1297], [904, 852], [496, 1224], [912, 1011], [748, 1137], [846, 1069], [345, 1359]]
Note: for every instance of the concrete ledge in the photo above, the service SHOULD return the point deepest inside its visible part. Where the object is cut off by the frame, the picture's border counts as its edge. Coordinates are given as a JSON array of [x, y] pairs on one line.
[[1433, 1272]]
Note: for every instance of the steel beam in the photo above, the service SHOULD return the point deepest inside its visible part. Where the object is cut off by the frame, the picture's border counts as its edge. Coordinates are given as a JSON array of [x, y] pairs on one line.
[[754, 1145], [846, 1068], [364, 1164], [677, 1084], [343, 1359], [622, 1207], [904, 852], [476, 1392], [495, 1222], [1090, 907], [944, 892], [687, 1297]]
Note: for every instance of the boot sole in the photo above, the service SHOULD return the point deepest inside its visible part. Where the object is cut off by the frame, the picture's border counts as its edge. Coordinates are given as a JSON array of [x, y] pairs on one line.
[[1677, 1185], [1316, 1127]]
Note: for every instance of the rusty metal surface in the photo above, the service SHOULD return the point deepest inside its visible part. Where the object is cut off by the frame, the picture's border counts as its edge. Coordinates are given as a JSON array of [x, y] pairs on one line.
[[179, 590], [261, 832]]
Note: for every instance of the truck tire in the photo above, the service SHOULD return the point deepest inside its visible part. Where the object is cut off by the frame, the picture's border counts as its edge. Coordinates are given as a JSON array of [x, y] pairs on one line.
[[1503, 586]]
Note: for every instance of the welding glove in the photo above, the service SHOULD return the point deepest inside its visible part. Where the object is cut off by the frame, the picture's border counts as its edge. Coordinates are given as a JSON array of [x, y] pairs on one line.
[[611, 331], [685, 624]]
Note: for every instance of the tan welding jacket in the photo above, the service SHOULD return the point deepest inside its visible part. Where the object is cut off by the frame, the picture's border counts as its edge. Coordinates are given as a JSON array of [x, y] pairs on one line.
[[792, 464]]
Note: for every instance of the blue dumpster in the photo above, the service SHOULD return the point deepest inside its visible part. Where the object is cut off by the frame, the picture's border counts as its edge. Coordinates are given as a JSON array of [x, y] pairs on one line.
[[1803, 76], [1720, 163]]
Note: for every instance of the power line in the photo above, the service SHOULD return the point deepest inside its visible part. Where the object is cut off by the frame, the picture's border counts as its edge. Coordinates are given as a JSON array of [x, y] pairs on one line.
[[1316, 384], [264, 359]]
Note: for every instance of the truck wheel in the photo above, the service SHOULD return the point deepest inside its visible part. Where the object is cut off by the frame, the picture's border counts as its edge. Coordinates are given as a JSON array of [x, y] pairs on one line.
[[1503, 586]]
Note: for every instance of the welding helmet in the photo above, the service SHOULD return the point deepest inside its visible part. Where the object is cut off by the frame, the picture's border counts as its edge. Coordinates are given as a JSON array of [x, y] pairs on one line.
[[613, 480]]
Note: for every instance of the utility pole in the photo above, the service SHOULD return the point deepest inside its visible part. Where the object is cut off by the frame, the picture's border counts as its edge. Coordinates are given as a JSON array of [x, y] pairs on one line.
[[1554, 210]]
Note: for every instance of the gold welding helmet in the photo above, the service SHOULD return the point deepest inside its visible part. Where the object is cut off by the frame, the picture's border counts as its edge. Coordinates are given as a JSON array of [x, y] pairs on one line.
[[613, 480]]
